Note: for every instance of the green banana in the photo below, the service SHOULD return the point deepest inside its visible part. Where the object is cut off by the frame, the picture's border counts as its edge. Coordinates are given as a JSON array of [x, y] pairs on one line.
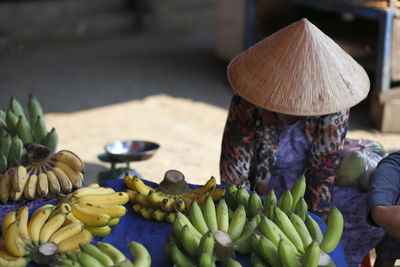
[[233, 263], [269, 252], [314, 229], [242, 198], [39, 131], [269, 203], [5, 144], [34, 109], [207, 243], [125, 263], [95, 253], [222, 216], [62, 262], [188, 241], [334, 230], [255, 205], [115, 254], [325, 260], [206, 260], [16, 107], [196, 218], [285, 202], [88, 261], [256, 261], [72, 255], [3, 123], [15, 150], [298, 189], [311, 256], [287, 254], [24, 130], [182, 219], [255, 243], [230, 196], [52, 140], [140, 254], [282, 220], [271, 231], [180, 259], [11, 120], [237, 223], [301, 229], [243, 244], [301, 208], [209, 214], [3, 163]]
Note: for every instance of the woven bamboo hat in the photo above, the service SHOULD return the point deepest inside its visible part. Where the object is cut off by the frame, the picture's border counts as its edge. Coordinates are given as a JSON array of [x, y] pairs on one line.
[[298, 71]]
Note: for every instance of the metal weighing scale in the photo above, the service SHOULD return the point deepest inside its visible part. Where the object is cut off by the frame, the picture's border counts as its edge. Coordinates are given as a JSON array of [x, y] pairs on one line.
[[119, 152]]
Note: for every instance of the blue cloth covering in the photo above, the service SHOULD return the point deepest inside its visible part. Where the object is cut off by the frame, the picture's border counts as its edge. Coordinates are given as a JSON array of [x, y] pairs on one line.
[[153, 234]]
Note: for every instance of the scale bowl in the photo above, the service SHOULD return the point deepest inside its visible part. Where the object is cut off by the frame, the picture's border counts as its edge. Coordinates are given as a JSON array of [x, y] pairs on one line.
[[128, 150]]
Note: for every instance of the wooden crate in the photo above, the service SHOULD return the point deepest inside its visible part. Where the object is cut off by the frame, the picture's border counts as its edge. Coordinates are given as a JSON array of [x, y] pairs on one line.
[[385, 111]]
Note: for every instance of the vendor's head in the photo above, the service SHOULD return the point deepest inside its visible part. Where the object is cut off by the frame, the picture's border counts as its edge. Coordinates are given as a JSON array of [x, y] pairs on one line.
[[298, 71]]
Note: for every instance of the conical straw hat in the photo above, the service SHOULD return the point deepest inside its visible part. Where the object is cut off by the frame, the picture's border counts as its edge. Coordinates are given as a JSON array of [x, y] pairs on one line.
[[298, 71]]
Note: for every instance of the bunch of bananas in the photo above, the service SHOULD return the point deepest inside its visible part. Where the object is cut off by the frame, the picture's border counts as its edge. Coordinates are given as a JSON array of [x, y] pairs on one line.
[[105, 255], [210, 233], [153, 203], [54, 174], [98, 208], [22, 234], [17, 130]]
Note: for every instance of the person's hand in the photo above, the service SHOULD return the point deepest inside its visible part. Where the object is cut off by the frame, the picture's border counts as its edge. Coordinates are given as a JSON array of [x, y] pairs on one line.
[[387, 217]]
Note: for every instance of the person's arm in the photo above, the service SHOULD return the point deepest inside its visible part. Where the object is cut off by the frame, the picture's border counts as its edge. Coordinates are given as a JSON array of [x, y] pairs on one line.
[[381, 201], [238, 143], [329, 134]]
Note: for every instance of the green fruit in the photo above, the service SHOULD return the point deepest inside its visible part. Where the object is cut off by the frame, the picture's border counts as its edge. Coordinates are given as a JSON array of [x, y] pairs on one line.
[[34, 110], [350, 169], [16, 107], [52, 140], [16, 150], [5, 144], [24, 130], [40, 131], [11, 120], [3, 163]]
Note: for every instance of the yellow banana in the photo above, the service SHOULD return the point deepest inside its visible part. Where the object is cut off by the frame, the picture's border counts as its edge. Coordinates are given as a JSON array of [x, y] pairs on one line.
[[179, 205], [114, 221], [170, 218], [51, 226], [146, 213], [63, 179], [135, 183], [93, 185], [155, 199], [30, 187], [22, 216], [54, 184], [66, 232], [168, 204], [36, 223], [89, 217], [72, 243], [7, 220], [72, 174], [5, 185], [14, 195], [86, 191], [137, 207], [218, 193], [113, 210], [334, 230], [119, 198], [19, 178], [71, 159], [101, 231], [12, 242], [159, 215], [42, 185], [207, 187]]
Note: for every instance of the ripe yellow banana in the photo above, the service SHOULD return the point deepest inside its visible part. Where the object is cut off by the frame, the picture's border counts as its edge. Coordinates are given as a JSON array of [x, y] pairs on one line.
[[136, 197], [155, 199], [63, 179], [135, 183], [93, 185], [51, 226], [30, 187], [71, 159], [159, 215], [5, 185], [334, 230], [114, 221], [179, 205], [168, 204], [14, 195], [140, 254], [170, 218], [66, 232], [72, 174], [101, 231], [72, 243], [36, 223], [113, 210], [19, 178], [54, 184], [42, 185], [218, 193], [86, 191], [207, 187], [89, 217], [7, 220], [119, 198], [12, 242], [146, 213], [22, 216]]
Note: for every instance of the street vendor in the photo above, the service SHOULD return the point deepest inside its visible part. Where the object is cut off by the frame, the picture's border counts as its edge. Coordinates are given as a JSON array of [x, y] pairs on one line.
[[289, 117], [383, 208]]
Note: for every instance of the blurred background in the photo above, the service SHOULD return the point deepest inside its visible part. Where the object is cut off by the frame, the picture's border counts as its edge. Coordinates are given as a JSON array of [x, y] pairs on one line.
[[156, 70]]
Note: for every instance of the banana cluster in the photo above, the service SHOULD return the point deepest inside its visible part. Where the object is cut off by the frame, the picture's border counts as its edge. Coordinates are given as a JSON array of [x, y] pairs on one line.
[[56, 173], [152, 203], [22, 233], [98, 208], [105, 255], [18, 129]]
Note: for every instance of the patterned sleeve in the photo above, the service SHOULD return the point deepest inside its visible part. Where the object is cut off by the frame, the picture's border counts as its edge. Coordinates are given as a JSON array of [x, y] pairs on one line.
[[329, 133], [238, 143]]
